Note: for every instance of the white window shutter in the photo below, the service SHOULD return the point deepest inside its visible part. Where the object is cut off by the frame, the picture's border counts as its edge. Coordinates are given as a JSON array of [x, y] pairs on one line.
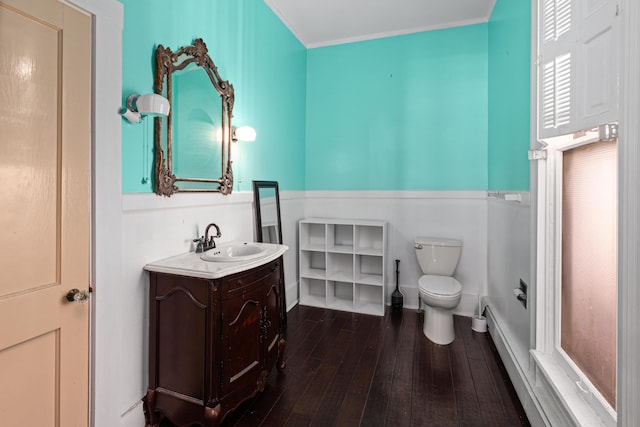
[[555, 72], [556, 19], [556, 92], [548, 98], [577, 71], [599, 76], [563, 89]]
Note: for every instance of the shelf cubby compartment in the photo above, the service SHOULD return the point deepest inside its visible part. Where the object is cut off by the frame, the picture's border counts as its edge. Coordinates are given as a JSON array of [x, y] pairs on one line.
[[369, 270], [313, 265], [369, 240], [340, 295], [313, 292], [368, 299], [313, 237], [340, 267], [340, 238]]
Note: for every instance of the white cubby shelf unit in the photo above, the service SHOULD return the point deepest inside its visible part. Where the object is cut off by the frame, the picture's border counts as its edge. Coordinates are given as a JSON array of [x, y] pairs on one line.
[[342, 264]]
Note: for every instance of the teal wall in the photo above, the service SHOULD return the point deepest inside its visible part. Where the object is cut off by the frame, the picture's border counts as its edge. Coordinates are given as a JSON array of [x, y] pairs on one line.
[[438, 110], [254, 51], [509, 94], [399, 113]]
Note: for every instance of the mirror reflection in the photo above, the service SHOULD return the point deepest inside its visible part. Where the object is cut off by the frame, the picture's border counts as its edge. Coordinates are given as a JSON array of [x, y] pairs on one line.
[[267, 210], [192, 145], [197, 126]]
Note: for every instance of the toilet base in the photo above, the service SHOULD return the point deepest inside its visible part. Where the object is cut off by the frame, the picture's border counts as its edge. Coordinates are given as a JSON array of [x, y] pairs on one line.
[[438, 325]]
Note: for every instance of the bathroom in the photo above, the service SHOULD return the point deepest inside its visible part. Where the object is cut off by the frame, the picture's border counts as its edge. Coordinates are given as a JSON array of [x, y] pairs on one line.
[[407, 129], [426, 131]]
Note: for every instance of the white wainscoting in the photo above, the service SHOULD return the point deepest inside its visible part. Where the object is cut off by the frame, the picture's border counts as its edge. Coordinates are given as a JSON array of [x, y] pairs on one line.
[[157, 227], [508, 321], [508, 261], [449, 214]]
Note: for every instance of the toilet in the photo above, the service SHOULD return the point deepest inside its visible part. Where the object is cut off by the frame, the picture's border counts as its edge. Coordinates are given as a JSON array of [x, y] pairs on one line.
[[439, 292]]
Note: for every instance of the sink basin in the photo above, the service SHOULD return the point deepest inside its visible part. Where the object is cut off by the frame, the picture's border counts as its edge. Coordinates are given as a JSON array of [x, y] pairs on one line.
[[234, 252]]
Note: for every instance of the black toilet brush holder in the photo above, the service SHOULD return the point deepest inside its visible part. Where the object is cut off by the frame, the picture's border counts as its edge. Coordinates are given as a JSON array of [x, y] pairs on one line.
[[397, 299]]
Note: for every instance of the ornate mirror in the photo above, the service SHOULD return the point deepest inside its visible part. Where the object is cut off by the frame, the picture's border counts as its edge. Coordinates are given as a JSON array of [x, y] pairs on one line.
[[193, 143], [267, 210]]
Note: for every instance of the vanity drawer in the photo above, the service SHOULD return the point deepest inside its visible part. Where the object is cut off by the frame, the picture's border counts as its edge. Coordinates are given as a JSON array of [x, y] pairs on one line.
[[242, 282]]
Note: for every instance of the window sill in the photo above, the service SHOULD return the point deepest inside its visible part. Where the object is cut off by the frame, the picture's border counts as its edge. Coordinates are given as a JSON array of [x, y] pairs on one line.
[[563, 402]]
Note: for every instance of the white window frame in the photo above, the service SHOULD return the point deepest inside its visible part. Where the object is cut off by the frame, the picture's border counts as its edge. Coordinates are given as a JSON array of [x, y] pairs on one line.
[[550, 398], [629, 220], [571, 27], [577, 399]]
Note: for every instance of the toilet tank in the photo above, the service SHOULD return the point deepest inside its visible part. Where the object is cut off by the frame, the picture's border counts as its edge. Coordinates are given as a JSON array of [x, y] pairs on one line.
[[438, 256]]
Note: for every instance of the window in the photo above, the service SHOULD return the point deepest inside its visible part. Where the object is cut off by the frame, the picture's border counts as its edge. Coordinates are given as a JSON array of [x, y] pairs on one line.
[[576, 318], [588, 263]]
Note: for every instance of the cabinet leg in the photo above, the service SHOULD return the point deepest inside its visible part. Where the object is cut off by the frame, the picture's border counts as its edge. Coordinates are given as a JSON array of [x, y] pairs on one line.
[[212, 416], [281, 364], [150, 416], [262, 381]]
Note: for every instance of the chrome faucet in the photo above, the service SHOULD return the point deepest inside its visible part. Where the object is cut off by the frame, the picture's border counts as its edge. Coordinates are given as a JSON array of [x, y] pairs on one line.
[[207, 242]]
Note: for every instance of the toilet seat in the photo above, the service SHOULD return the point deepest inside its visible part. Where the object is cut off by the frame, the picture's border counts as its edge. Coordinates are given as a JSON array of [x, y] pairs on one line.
[[439, 286]]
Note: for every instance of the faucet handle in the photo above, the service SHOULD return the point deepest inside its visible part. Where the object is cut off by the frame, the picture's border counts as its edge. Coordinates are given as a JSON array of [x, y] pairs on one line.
[[200, 244]]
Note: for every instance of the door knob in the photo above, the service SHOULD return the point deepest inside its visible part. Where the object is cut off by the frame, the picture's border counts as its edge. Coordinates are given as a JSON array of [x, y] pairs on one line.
[[75, 295]]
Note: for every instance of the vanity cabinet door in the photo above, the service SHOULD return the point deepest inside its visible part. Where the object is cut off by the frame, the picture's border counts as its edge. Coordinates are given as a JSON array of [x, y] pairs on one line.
[[272, 314], [240, 341], [178, 335]]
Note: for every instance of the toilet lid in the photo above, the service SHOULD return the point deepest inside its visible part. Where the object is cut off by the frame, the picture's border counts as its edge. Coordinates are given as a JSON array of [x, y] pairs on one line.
[[439, 285]]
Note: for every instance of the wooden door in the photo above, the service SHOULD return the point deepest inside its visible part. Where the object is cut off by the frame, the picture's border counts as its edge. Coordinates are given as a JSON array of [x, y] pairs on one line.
[[45, 113]]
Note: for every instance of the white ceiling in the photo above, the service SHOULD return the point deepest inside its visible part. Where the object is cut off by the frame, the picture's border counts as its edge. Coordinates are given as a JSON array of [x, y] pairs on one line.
[[325, 22]]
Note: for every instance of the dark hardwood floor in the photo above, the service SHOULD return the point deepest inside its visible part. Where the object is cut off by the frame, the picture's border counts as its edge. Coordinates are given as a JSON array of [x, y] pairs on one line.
[[346, 369]]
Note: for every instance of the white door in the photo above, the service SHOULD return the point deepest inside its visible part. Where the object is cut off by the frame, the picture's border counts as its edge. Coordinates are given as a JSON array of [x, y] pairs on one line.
[[45, 111]]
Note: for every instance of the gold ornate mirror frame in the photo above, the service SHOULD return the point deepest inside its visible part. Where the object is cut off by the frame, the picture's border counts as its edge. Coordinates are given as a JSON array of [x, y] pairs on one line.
[[168, 62]]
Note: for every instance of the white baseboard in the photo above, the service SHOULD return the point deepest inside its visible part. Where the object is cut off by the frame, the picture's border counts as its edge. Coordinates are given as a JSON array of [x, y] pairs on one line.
[[518, 377], [291, 291], [293, 304], [133, 416]]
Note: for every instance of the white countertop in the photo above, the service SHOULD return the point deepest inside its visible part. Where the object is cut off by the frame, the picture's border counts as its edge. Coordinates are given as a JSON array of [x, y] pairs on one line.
[[190, 264]]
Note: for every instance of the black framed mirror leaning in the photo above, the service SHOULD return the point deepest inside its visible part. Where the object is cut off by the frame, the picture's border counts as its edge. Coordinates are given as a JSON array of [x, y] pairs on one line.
[[193, 143], [266, 202], [266, 198]]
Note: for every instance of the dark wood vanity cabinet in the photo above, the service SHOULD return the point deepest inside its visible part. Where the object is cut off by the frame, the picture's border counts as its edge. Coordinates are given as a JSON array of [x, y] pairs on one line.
[[212, 343]]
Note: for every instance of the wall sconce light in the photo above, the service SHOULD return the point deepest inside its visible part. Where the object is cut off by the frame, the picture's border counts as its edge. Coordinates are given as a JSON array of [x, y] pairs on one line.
[[150, 104], [243, 133]]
